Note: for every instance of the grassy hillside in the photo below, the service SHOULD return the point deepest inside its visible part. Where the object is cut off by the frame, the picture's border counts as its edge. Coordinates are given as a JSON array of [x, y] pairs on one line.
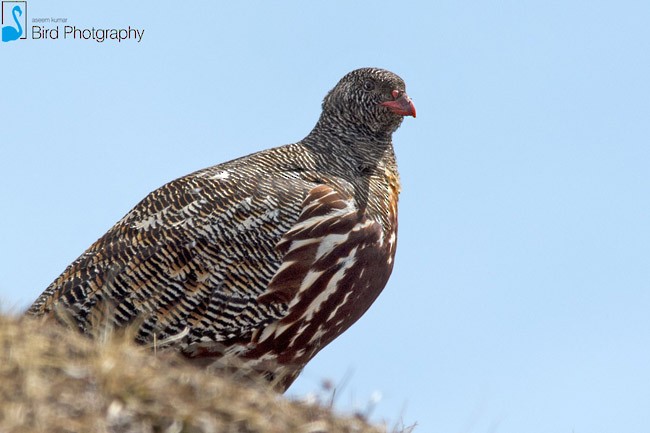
[[54, 380]]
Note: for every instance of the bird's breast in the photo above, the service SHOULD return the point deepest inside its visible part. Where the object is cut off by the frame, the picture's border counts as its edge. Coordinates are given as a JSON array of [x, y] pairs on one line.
[[335, 265]]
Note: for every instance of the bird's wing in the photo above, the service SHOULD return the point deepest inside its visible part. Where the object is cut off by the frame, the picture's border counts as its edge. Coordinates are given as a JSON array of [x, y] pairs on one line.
[[324, 282], [331, 272], [193, 255]]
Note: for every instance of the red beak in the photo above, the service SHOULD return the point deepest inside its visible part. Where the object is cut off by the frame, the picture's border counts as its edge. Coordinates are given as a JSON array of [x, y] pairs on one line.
[[402, 105]]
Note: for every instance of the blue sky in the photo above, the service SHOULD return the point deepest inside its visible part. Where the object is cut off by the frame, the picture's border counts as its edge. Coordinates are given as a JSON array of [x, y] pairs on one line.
[[520, 297]]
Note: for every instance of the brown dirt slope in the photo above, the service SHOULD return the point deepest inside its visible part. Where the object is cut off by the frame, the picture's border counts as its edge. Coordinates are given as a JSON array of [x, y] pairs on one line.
[[54, 380]]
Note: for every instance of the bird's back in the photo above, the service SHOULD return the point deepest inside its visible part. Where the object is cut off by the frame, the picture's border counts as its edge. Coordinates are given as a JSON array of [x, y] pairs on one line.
[[201, 246]]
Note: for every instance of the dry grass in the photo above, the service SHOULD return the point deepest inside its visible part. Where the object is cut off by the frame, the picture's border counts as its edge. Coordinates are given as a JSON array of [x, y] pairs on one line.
[[54, 380]]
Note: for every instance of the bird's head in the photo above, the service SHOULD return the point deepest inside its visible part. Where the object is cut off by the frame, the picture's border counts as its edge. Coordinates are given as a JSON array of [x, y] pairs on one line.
[[370, 97]]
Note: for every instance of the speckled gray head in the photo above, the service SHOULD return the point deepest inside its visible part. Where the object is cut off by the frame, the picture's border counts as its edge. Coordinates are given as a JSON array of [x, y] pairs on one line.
[[371, 96]]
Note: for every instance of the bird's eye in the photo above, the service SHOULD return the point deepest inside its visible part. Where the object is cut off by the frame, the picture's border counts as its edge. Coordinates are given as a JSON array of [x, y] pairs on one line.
[[368, 85]]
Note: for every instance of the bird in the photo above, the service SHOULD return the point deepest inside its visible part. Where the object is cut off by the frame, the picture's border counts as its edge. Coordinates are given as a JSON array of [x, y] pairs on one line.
[[10, 33], [260, 262]]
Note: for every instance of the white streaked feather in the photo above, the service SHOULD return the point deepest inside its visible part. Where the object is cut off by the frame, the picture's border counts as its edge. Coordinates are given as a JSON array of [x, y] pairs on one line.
[[332, 285]]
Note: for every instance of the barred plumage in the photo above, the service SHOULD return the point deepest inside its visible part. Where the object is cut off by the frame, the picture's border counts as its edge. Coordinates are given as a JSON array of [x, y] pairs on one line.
[[261, 261]]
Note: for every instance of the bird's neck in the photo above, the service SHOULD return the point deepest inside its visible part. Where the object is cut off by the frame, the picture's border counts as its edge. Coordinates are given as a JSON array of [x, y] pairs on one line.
[[366, 161], [351, 141]]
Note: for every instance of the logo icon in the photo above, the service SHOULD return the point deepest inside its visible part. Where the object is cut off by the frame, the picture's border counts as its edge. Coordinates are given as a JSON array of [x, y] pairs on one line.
[[14, 20]]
